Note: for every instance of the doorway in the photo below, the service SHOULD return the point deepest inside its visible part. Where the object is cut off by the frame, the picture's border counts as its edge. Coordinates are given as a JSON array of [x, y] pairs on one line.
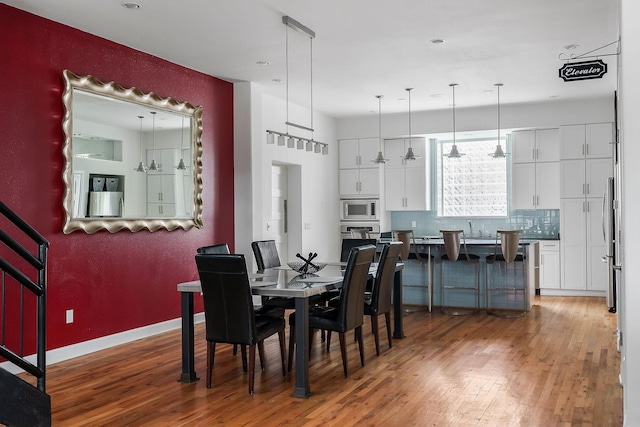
[[279, 209]]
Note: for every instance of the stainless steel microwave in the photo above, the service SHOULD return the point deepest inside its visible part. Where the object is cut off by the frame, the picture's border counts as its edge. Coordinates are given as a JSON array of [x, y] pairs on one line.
[[359, 210]]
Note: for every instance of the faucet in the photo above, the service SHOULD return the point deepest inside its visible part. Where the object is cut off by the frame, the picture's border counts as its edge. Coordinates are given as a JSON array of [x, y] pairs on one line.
[[470, 228]]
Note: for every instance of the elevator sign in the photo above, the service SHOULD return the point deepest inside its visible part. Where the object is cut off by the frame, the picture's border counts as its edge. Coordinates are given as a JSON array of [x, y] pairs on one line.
[[583, 70]]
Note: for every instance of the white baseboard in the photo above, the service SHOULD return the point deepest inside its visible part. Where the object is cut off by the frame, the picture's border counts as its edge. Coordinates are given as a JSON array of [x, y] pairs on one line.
[[87, 347]]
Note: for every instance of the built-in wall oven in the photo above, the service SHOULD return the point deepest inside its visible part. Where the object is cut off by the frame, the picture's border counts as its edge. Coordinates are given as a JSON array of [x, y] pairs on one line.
[[373, 228], [359, 210]]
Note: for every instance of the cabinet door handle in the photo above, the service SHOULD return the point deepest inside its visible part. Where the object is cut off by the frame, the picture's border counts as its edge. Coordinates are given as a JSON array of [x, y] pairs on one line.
[[533, 153], [537, 200], [587, 145], [533, 200], [583, 189], [588, 189], [537, 153], [583, 149], [160, 210], [159, 196]]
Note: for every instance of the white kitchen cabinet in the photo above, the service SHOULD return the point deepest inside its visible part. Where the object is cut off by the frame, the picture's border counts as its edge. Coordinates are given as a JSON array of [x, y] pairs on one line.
[[549, 265], [360, 182], [162, 185], [406, 182], [395, 150], [584, 178], [582, 245], [589, 141], [359, 177], [358, 153], [536, 145], [535, 186]]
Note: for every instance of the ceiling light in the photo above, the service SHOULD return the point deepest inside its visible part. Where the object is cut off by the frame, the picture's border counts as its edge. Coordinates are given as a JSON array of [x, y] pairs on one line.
[[499, 153], [454, 153], [153, 166], [380, 157], [572, 46], [436, 41], [131, 6], [263, 63], [410, 155], [141, 167]]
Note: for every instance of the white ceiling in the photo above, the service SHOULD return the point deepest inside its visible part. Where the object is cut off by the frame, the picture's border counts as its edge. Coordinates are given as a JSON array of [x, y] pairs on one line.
[[366, 47]]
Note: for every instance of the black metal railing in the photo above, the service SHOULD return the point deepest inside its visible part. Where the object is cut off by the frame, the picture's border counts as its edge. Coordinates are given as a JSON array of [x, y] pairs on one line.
[[37, 288]]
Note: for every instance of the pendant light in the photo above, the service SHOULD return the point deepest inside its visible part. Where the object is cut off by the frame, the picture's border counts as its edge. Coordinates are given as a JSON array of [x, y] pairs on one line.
[[181, 166], [380, 157], [410, 155], [153, 166], [499, 153], [454, 153], [141, 167]]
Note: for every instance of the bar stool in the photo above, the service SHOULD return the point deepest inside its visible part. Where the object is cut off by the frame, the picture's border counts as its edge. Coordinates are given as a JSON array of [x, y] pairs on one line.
[[408, 240], [506, 289], [453, 255]]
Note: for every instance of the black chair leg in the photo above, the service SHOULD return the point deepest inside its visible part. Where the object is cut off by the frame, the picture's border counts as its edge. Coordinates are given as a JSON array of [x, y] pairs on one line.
[[328, 340], [343, 351], [211, 352], [375, 332], [360, 344], [261, 354], [387, 317], [243, 351], [252, 366], [235, 349], [282, 352]]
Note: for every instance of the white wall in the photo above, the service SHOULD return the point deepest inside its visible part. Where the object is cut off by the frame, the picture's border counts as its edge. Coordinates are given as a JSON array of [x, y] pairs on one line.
[[515, 116], [629, 86], [313, 181]]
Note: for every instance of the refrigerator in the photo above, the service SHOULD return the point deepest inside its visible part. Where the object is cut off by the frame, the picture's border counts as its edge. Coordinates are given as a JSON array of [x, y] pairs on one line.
[[609, 231]]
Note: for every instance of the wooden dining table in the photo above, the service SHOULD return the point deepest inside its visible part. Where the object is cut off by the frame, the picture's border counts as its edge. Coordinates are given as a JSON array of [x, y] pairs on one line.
[[283, 282]]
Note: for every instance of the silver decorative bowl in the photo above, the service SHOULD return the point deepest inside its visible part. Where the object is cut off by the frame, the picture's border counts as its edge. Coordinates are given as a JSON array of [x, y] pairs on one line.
[[311, 268]]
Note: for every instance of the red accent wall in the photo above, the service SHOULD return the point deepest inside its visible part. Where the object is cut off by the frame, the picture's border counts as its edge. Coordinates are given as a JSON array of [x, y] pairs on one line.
[[113, 282]]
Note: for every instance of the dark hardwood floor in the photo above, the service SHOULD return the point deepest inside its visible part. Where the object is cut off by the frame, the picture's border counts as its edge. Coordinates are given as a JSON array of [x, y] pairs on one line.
[[558, 366]]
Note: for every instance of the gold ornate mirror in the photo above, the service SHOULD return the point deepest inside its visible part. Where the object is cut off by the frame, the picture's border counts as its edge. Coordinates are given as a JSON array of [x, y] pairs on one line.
[[133, 160]]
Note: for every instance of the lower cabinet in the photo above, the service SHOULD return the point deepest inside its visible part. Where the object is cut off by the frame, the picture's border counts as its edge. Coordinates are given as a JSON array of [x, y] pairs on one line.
[[549, 265], [582, 246]]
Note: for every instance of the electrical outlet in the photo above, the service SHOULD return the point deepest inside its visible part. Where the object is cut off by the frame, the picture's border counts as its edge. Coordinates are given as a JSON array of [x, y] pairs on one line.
[[413, 224], [307, 226], [69, 316]]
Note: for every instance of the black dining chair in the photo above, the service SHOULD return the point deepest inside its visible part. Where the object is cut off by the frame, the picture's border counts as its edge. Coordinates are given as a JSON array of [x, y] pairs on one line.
[[349, 310], [378, 301], [228, 311], [347, 244], [221, 248]]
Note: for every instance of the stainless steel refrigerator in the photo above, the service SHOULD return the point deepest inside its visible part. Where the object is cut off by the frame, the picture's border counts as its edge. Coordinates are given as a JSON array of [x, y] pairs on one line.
[[609, 230]]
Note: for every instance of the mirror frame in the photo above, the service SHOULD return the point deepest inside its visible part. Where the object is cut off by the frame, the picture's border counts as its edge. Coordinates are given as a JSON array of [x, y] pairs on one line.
[[113, 90]]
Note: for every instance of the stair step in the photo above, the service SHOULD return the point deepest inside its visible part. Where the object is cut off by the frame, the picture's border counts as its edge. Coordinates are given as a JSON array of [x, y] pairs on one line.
[[22, 404]]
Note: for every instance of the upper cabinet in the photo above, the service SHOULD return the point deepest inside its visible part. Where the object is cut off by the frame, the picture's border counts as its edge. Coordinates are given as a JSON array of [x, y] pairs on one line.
[[535, 169], [540, 145], [359, 176], [406, 182], [590, 141]]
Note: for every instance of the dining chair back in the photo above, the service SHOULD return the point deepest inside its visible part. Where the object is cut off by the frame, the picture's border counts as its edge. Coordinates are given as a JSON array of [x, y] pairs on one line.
[[378, 301], [221, 248], [347, 313], [348, 244], [228, 309], [266, 254]]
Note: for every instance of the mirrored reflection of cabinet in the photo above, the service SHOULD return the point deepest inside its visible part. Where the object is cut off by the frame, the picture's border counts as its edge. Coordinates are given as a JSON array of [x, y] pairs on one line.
[[164, 187]]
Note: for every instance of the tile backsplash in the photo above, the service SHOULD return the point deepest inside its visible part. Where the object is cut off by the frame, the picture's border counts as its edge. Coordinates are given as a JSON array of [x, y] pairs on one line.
[[540, 223]]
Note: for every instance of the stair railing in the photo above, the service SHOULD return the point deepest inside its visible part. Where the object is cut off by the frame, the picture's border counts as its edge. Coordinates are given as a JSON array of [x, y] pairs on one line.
[[37, 288]]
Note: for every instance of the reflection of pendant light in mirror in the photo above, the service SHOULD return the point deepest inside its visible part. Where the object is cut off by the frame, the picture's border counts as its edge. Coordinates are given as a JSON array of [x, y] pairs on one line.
[[181, 165], [153, 166], [380, 157], [410, 155], [141, 167], [499, 153], [454, 153]]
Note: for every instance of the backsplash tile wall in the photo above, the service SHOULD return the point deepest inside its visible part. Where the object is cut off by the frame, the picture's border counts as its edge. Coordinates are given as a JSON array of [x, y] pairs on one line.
[[540, 223]]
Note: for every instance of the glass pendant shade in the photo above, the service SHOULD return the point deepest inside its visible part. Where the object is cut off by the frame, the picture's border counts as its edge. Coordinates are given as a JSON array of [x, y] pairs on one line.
[[300, 144], [271, 138], [181, 165], [380, 157], [499, 153], [454, 153], [141, 167], [280, 140], [410, 155], [153, 166]]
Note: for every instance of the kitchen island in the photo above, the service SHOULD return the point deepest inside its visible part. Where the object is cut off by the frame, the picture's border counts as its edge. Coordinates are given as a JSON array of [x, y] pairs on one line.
[[416, 274]]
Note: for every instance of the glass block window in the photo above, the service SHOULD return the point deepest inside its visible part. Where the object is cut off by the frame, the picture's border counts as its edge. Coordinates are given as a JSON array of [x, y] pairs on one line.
[[474, 184]]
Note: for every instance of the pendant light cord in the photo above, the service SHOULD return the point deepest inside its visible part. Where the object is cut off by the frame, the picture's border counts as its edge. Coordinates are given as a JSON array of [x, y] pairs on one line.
[[379, 121], [409, 90], [498, 87]]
